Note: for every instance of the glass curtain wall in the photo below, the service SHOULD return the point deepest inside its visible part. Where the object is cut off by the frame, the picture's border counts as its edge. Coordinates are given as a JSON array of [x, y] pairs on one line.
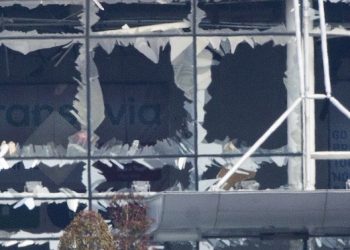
[[167, 95]]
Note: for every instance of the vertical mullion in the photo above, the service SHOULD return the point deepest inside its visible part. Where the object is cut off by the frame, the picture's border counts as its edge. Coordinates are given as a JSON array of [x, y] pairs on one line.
[[309, 115], [88, 97], [194, 36], [294, 53]]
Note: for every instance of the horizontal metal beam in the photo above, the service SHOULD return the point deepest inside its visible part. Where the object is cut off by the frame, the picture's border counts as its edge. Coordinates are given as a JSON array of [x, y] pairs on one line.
[[331, 155]]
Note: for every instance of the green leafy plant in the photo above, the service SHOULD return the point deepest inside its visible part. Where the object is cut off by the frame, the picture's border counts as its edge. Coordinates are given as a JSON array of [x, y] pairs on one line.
[[87, 231], [129, 218]]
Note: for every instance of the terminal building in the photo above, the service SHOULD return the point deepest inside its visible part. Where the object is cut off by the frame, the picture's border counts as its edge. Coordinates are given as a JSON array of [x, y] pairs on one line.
[[231, 116]]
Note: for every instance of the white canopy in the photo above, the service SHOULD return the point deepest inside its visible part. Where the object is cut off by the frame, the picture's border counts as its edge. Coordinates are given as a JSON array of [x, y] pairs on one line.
[[195, 215]]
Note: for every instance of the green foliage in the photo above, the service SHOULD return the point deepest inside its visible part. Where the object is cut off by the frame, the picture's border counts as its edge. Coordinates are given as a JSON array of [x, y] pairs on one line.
[[87, 231], [129, 218]]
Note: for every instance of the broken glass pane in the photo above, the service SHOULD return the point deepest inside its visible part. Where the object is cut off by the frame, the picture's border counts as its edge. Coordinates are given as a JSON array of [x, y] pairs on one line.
[[328, 243], [43, 177], [240, 15], [332, 126], [53, 18], [179, 245], [142, 97], [257, 173], [246, 244], [38, 89], [337, 13], [46, 218], [41, 246], [143, 17], [241, 93], [159, 174]]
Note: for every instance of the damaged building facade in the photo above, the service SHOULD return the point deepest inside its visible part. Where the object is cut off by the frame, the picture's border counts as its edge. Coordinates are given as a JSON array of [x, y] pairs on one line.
[[101, 96]]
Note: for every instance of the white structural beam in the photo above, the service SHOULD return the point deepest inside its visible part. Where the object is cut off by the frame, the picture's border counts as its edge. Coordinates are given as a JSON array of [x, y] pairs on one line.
[[340, 107], [98, 4], [331, 155], [325, 59], [294, 83], [297, 26], [309, 166], [317, 96]]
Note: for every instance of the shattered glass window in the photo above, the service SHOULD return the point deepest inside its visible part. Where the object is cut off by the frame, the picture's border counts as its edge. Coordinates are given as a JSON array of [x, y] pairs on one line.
[[238, 15], [337, 13], [156, 175], [247, 103], [232, 84], [258, 173], [328, 243], [44, 19], [10, 245], [246, 244], [49, 218], [38, 88], [181, 245], [143, 17], [145, 103], [45, 177], [99, 97]]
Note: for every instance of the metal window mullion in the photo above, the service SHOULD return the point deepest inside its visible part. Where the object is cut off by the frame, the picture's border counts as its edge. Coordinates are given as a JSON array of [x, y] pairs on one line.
[[309, 172], [88, 97], [194, 37], [295, 89]]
